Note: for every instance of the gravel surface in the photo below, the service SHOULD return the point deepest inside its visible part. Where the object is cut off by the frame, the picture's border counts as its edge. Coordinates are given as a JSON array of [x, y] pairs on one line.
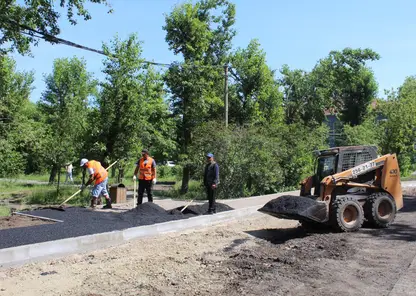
[[83, 221]]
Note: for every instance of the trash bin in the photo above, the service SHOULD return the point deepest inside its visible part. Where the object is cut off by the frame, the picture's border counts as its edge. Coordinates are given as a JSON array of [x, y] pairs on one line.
[[118, 193]]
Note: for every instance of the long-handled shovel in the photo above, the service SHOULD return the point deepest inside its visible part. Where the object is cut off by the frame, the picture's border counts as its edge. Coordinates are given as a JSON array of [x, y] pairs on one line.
[[61, 207], [186, 206]]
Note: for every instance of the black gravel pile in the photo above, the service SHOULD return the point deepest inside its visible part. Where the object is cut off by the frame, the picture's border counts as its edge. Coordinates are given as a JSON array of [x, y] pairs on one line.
[[203, 209], [82, 221], [288, 204]]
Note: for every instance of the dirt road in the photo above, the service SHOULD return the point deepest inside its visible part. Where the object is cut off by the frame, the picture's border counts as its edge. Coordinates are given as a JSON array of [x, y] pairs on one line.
[[257, 256]]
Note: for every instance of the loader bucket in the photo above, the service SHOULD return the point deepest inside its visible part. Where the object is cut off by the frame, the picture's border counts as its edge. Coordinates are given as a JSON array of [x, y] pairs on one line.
[[296, 208]]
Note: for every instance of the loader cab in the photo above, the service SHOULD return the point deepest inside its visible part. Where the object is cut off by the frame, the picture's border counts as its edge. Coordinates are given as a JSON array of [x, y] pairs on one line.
[[339, 159]]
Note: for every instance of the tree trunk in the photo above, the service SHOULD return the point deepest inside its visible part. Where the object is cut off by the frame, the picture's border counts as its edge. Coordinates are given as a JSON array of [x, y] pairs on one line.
[[59, 181], [185, 179], [186, 141], [120, 175], [52, 175]]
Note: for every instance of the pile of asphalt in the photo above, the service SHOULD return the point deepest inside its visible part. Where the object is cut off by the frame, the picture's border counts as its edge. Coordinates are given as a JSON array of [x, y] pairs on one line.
[[202, 209], [80, 221], [288, 204]]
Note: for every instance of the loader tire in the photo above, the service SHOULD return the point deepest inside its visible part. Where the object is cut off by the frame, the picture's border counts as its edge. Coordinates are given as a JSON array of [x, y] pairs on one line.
[[347, 215], [380, 210]]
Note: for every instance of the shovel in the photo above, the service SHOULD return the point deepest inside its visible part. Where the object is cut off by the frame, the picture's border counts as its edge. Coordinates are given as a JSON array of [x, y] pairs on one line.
[[60, 207], [186, 206]]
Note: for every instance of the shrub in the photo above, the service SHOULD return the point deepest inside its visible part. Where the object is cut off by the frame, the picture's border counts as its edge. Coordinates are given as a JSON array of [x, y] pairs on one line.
[[256, 161]]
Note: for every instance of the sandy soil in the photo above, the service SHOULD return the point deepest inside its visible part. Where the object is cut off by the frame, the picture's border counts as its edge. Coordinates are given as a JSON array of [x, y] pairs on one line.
[[15, 221], [257, 256]]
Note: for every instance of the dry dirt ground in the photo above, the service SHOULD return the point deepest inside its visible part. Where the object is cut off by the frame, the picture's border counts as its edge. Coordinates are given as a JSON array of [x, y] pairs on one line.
[[19, 221], [257, 256]]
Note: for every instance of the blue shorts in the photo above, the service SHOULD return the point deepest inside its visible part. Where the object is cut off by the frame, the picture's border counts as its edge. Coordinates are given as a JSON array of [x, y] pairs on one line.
[[100, 189]]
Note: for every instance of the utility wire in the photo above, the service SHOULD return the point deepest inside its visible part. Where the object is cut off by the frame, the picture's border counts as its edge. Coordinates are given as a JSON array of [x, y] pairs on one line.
[[51, 38]]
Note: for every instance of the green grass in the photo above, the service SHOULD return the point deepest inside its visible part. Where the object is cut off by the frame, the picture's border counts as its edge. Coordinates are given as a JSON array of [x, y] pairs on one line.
[[11, 189], [4, 211], [51, 197], [195, 191], [165, 174], [40, 194], [34, 177]]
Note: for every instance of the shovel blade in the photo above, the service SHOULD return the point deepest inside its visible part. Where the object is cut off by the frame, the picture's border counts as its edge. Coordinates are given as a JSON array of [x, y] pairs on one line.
[[296, 208]]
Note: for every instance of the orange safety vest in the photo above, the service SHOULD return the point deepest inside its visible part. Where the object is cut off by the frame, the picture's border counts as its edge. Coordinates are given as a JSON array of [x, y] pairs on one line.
[[146, 169], [100, 173]]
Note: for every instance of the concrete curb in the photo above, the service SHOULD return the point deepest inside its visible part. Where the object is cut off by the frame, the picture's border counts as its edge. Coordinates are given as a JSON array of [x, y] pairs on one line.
[[59, 248]]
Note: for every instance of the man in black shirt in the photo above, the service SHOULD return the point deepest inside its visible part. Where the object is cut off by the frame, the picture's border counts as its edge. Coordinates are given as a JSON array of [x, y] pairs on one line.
[[211, 181]]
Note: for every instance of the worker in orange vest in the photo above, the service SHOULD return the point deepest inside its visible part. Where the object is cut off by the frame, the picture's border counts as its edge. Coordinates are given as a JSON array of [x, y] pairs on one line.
[[146, 166], [99, 175]]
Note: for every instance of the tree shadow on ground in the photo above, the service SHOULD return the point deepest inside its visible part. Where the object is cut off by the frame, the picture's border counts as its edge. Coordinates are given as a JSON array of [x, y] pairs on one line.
[[396, 231]]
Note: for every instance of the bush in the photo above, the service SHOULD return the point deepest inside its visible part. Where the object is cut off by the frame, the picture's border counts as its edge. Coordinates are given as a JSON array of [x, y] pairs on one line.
[[367, 133], [12, 162], [256, 161], [170, 173], [195, 191]]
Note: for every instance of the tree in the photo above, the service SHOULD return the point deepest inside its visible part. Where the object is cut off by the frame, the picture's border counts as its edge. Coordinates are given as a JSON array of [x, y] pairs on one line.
[[132, 110], [399, 124], [66, 105], [344, 78], [257, 98], [302, 103], [21, 23], [15, 89], [203, 35], [366, 133]]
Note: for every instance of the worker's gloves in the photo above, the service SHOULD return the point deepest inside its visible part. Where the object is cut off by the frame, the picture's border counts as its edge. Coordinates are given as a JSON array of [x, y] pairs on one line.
[[213, 186], [154, 181], [134, 178]]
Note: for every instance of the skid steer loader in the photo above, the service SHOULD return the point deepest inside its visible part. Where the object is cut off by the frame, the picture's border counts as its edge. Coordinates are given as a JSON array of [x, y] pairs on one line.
[[351, 184]]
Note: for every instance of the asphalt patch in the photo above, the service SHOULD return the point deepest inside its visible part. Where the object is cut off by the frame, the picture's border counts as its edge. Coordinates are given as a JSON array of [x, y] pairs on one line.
[[80, 221]]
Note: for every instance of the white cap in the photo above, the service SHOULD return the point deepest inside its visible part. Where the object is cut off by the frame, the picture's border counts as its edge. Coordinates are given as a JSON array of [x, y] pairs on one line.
[[83, 161]]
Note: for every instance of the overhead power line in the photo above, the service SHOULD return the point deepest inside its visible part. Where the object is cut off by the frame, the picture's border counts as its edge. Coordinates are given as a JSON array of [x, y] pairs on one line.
[[37, 34]]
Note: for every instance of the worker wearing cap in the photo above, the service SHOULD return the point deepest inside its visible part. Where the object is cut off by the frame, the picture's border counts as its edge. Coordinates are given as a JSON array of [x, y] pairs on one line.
[[146, 166], [99, 175], [211, 181]]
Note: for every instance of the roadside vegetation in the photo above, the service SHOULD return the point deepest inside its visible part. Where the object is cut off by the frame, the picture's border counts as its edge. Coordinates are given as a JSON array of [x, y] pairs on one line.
[[277, 117]]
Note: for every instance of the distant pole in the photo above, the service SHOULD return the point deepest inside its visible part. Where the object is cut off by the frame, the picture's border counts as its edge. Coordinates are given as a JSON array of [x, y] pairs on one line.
[[226, 93]]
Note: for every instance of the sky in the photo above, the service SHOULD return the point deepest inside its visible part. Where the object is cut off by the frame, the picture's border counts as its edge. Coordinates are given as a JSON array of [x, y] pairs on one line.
[[296, 32]]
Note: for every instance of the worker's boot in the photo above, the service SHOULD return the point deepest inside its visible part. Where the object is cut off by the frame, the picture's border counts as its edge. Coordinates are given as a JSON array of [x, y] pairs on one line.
[[107, 204], [93, 202], [99, 201]]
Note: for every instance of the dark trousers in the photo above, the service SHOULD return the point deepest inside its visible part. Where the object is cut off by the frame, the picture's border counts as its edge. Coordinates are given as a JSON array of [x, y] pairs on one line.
[[211, 193], [148, 186]]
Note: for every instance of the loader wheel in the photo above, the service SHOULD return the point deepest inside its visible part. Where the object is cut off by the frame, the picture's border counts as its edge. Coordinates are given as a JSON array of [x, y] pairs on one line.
[[380, 210], [347, 214]]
